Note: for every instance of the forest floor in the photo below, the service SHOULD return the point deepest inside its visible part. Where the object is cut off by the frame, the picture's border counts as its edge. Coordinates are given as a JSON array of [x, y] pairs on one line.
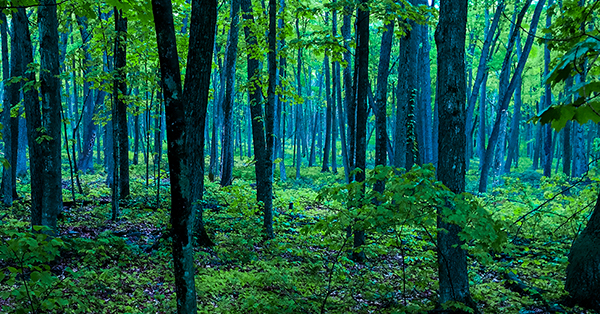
[[124, 266]]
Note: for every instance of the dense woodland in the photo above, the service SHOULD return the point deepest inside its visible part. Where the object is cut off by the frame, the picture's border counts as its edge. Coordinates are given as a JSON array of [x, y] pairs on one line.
[[297, 156]]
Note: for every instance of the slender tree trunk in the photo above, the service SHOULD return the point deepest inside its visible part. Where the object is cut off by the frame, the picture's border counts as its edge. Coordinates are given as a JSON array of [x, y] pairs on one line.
[[424, 79], [381, 100], [328, 112], [86, 156], [566, 133], [482, 71], [262, 131], [230, 68], [10, 99], [121, 107], [280, 127], [547, 159], [505, 98]]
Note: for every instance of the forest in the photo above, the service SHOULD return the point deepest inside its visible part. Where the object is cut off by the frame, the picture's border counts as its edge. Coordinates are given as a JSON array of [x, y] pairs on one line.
[[299, 156]]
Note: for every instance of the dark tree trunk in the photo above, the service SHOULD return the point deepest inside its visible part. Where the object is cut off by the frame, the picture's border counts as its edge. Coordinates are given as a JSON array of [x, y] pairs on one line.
[[566, 137], [10, 99], [46, 190], [121, 106], [196, 94], [381, 101], [328, 118], [505, 98], [179, 112], [450, 37], [262, 132], [230, 67], [362, 66], [334, 134], [582, 281]]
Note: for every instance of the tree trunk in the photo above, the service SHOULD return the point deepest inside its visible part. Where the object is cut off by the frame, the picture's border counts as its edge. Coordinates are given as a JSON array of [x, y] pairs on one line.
[[547, 159], [362, 66], [280, 126], [179, 112], [10, 99], [230, 67], [120, 104], [583, 280], [86, 157], [482, 72], [328, 119], [505, 98], [196, 95], [381, 100], [566, 137], [262, 132], [424, 101], [450, 37]]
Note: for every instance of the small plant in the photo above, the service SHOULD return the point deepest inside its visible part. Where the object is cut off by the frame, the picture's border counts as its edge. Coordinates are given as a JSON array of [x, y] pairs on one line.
[[26, 255]]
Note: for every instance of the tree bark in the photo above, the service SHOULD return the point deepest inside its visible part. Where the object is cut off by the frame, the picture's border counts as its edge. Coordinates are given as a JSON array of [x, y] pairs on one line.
[[120, 104], [381, 101], [450, 36], [362, 66], [262, 132], [10, 99], [582, 281], [183, 192], [230, 67], [328, 118]]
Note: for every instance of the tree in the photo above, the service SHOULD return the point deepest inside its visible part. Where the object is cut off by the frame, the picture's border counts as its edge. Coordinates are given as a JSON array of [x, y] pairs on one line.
[[262, 132], [43, 126], [10, 99], [229, 84], [381, 99], [506, 97], [362, 87], [120, 93], [193, 103], [450, 37]]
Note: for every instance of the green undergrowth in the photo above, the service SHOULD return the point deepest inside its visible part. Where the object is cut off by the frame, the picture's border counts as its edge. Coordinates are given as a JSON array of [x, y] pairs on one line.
[[517, 239]]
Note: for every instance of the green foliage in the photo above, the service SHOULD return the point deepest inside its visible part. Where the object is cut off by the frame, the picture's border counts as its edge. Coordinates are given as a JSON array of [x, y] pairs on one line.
[[26, 255]]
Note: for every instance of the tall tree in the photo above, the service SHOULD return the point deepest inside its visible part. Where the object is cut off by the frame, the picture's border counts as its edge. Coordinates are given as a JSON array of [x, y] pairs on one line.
[[547, 157], [262, 132], [450, 36], [120, 104], [44, 124], [362, 88], [506, 97], [381, 99], [193, 103], [280, 119], [10, 99], [86, 160], [230, 62]]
